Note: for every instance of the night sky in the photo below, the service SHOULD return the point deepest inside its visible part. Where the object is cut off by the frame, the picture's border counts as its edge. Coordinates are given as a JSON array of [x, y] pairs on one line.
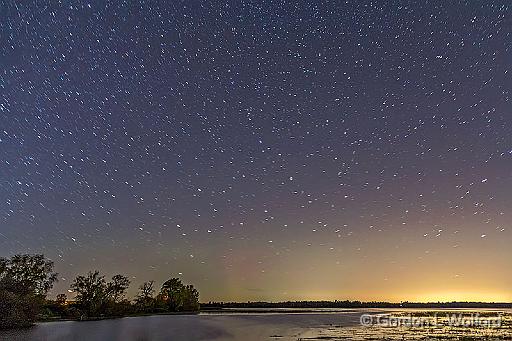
[[262, 150]]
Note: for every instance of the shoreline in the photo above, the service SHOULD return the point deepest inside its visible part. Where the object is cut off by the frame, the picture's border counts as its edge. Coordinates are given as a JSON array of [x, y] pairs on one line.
[[278, 311], [101, 318]]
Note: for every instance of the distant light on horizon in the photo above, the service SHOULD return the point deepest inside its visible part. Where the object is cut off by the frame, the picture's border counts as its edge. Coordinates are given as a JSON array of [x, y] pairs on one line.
[[309, 150]]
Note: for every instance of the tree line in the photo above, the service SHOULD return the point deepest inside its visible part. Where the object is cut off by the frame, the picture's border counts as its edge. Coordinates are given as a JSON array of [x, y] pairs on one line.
[[25, 281], [353, 304]]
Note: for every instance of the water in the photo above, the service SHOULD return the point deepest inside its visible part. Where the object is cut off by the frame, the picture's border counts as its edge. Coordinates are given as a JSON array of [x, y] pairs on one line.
[[251, 325], [246, 327]]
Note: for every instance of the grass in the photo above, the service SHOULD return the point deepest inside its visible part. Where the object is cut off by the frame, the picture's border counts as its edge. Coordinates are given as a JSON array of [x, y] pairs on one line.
[[439, 330]]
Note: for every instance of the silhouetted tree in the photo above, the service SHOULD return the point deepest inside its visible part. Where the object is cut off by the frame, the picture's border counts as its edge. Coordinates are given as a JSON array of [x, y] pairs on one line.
[[24, 282], [90, 292], [144, 300], [190, 299], [54, 309], [116, 289], [178, 297], [61, 299], [26, 279], [95, 297], [172, 294]]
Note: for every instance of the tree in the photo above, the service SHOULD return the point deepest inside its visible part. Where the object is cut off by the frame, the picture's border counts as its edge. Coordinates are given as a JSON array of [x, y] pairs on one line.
[[27, 274], [117, 287], [57, 308], [96, 297], [146, 290], [191, 299], [91, 292], [24, 282], [61, 299], [179, 297], [144, 300], [172, 294]]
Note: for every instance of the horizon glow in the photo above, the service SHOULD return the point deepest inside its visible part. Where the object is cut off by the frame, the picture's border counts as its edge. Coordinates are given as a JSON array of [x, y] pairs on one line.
[[260, 150]]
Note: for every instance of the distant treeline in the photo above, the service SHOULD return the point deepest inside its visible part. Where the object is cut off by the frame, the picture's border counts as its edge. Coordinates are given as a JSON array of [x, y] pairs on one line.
[[353, 304], [25, 281]]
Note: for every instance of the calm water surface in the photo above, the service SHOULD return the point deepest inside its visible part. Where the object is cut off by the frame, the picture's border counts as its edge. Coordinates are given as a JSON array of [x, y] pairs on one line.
[[253, 325], [243, 327]]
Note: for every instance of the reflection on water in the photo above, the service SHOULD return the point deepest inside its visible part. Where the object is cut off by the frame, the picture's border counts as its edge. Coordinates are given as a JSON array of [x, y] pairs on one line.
[[244, 327], [323, 325], [130, 328]]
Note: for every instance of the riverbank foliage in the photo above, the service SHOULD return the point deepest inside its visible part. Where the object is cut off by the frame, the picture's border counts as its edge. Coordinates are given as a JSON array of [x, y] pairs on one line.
[[25, 281]]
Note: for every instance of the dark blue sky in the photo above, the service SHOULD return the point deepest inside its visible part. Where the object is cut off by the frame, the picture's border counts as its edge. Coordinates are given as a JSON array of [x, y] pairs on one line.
[[261, 149]]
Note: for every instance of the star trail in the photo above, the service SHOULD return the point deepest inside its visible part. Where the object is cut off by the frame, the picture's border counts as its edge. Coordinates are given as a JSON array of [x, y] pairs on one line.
[[262, 150]]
